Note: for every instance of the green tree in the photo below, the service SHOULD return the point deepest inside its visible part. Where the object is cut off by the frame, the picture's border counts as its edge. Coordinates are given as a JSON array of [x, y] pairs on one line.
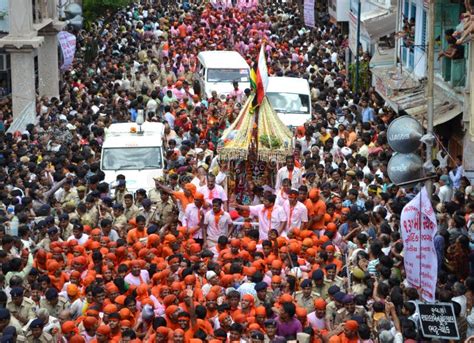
[[365, 75]]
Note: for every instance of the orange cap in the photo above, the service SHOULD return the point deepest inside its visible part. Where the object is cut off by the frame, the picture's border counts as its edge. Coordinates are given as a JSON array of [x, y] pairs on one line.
[[68, 327], [320, 304], [104, 330], [286, 298]]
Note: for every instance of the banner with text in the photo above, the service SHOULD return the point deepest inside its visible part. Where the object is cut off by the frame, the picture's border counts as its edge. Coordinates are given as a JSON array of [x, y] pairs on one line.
[[309, 18], [67, 41], [418, 222]]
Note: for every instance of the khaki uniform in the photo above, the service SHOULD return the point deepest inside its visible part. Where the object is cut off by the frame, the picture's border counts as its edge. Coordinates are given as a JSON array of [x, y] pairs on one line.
[[120, 222], [338, 281], [188, 76], [17, 325], [147, 214], [67, 231], [44, 338], [131, 212], [25, 310], [119, 196], [55, 310], [154, 195], [268, 299], [331, 310], [91, 217], [163, 211], [307, 303], [164, 77], [342, 315], [70, 196], [321, 291]]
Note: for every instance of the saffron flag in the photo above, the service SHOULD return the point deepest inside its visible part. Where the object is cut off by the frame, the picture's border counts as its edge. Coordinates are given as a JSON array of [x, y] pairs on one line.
[[262, 75]]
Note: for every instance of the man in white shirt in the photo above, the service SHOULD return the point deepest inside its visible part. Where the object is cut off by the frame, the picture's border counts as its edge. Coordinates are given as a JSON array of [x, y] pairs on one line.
[[296, 212], [212, 191], [78, 234], [445, 193], [289, 172], [137, 276], [270, 216], [194, 217], [217, 223]]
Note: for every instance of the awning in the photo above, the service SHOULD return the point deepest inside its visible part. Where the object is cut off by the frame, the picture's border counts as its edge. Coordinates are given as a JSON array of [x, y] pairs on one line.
[[414, 102], [382, 57], [379, 23], [444, 110], [402, 92]]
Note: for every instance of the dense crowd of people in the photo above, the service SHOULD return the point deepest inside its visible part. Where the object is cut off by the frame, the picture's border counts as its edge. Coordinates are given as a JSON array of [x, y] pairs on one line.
[[313, 255]]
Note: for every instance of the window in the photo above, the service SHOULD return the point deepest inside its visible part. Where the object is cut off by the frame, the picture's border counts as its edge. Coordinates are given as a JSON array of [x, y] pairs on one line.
[[289, 102], [423, 32], [131, 158], [227, 75]]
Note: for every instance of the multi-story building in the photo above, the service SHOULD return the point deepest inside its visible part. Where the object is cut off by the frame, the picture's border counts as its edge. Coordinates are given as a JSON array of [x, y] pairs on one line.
[[403, 83], [29, 54]]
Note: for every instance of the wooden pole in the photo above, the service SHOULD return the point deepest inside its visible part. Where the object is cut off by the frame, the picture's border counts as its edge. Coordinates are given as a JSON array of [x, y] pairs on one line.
[[430, 87]]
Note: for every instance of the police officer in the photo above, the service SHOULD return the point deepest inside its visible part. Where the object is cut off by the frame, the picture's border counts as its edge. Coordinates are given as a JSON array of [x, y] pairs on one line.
[[119, 221], [20, 306], [6, 319], [36, 334], [165, 207], [305, 298], [53, 302]]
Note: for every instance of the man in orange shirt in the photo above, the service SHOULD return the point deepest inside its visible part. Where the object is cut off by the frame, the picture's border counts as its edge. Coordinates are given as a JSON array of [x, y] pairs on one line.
[[316, 210], [138, 233]]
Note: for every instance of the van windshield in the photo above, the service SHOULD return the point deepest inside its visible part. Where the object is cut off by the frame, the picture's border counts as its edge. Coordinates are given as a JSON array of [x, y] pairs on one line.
[[136, 158], [227, 75], [289, 102]]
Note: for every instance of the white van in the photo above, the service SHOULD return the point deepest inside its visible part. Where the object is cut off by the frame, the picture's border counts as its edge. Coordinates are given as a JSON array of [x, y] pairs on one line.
[[217, 70], [136, 153], [291, 99]]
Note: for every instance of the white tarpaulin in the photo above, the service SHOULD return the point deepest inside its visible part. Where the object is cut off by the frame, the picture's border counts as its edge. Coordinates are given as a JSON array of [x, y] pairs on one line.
[[67, 41], [309, 19], [418, 225]]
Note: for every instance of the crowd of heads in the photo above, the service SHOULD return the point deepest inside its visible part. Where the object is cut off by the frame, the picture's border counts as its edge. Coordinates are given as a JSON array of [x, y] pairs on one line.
[[312, 252]]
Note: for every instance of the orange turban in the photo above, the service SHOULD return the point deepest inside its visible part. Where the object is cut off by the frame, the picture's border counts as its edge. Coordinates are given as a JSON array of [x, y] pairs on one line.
[[89, 322], [110, 308], [104, 330], [68, 327], [351, 325], [320, 304], [286, 298], [277, 264], [276, 278], [301, 312], [314, 193], [72, 290], [77, 339]]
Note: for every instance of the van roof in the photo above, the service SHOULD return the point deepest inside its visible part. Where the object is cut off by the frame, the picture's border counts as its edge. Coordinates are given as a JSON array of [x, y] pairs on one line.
[[125, 129], [222, 59], [284, 84]]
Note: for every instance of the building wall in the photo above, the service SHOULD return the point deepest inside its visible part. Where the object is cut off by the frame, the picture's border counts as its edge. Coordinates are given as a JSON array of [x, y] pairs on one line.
[[338, 10]]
